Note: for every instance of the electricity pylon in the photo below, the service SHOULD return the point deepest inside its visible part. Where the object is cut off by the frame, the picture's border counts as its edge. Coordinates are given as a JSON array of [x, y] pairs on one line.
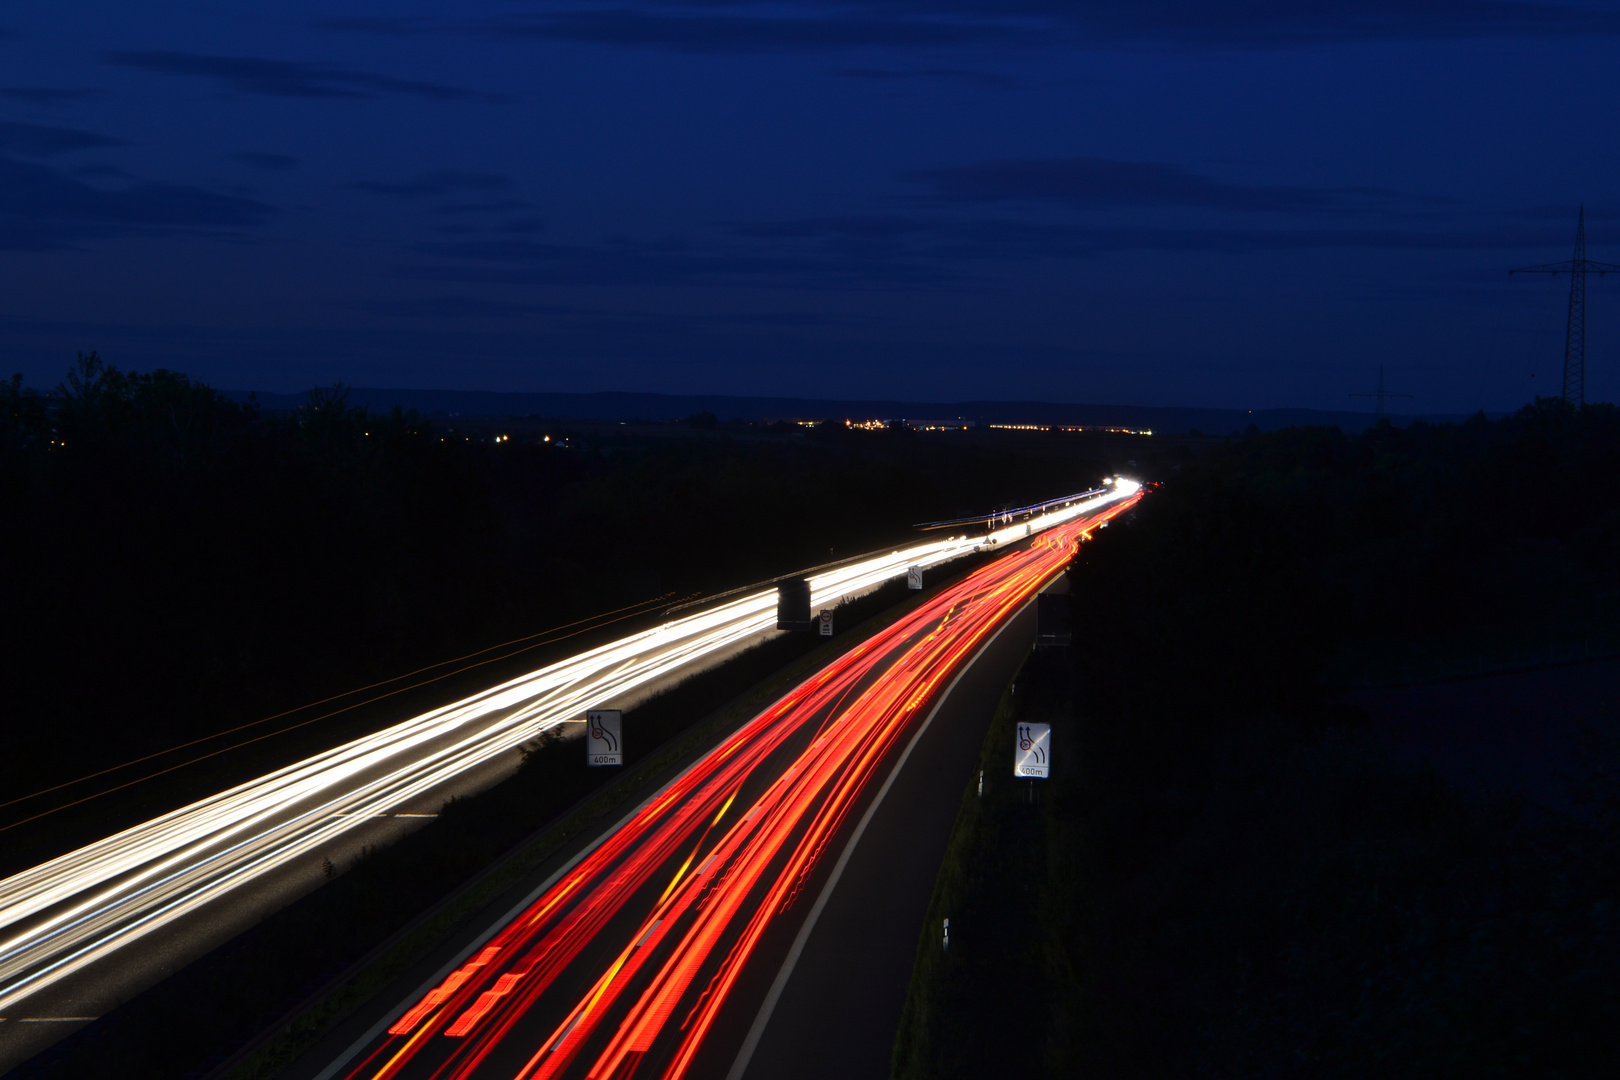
[[1575, 337], [1381, 395]]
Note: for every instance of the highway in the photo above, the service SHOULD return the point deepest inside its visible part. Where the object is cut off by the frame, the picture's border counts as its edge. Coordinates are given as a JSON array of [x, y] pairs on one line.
[[664, 948], [69, 919]]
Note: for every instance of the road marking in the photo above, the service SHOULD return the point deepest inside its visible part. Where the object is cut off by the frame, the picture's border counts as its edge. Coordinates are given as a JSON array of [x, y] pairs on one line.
[[399, 1009], [500, 924], [347, 814], [50, 1019], [755, 1032]]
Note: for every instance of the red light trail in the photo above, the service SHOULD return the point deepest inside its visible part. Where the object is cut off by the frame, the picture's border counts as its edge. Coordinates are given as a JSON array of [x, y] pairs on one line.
[[740, 834]]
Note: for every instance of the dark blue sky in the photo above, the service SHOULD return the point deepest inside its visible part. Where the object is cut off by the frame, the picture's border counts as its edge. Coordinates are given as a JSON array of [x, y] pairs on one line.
[[1247, 204]]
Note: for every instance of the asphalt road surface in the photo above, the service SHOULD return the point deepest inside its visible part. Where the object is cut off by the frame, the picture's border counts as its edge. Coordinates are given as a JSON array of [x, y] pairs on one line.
[[840, 1007], [86, 931], [758, 915]]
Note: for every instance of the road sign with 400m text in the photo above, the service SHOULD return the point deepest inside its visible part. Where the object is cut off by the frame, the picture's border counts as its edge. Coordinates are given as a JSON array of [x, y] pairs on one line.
[[1032, 756], [604, 737]]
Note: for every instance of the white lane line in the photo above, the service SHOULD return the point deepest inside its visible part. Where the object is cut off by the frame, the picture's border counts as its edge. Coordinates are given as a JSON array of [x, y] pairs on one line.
[[501, 923], [755, 1032], [126, 885]]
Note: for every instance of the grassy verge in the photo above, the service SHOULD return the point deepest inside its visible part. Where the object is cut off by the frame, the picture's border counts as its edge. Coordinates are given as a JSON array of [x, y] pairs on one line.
[[1270, 899], [980, 1007], [314, 962]]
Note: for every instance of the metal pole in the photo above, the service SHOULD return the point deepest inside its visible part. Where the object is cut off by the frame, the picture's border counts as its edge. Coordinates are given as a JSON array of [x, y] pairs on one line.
[[1575, 336]]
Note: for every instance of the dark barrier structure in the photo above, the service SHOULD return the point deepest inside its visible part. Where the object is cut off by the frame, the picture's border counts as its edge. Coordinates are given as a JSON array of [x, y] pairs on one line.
[[793, 605]]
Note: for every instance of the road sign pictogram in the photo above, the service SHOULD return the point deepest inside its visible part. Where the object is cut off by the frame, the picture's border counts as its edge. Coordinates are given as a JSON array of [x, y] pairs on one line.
[[604, 742], [1033, 755]]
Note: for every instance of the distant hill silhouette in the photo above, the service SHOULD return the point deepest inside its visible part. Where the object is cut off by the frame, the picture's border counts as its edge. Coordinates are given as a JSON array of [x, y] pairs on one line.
[[631, 406]]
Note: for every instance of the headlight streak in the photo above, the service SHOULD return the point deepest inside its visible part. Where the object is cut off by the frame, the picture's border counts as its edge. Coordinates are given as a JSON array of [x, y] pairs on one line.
[[662, 990], [65, 914]]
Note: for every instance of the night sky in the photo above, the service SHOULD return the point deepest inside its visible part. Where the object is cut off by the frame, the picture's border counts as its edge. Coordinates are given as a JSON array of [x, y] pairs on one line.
[[1242, 204]]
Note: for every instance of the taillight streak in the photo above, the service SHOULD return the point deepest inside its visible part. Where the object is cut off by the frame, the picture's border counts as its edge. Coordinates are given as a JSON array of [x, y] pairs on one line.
[[747, 872]]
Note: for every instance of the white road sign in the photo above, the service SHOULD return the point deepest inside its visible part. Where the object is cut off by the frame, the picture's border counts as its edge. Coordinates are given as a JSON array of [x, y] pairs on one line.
[[913, 577], [1033, 754], [603, 737], [826, 622]]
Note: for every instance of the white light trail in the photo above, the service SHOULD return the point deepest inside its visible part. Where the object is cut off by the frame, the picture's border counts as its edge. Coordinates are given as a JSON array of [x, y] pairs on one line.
[[63, 915]]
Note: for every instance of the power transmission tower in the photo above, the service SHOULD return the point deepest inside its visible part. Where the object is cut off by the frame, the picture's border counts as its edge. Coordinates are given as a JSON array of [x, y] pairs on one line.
[[1575, 337], [1381, 395]]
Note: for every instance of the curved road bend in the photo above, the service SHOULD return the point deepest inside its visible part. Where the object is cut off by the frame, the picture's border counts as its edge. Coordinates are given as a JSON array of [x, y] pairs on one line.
[[653, 949]]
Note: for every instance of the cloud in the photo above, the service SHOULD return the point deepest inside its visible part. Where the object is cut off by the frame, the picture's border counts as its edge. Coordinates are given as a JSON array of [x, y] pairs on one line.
[[905, 247], [100, 170], [845, 227], [380, 25], [509, 251], [741, 26], [284, 78], [841, 253], [693, 28], [41, 208], [47, 95], [267, 162], [461, 307], [1566, 214], [628, 262], [523, 225], [42, 141], [441, 182], [1245, 241], [973, 78], [708, 32], [484, 206], [1091, 183], [1270, 24]]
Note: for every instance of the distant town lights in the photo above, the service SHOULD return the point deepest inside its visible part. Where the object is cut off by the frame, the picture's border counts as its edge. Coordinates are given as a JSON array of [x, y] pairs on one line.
[[1071, 429]]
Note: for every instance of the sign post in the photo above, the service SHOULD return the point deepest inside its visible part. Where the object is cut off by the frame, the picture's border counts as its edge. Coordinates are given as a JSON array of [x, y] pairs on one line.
[[604, 744], [826, 622], [913, 577], [1032, 757]]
